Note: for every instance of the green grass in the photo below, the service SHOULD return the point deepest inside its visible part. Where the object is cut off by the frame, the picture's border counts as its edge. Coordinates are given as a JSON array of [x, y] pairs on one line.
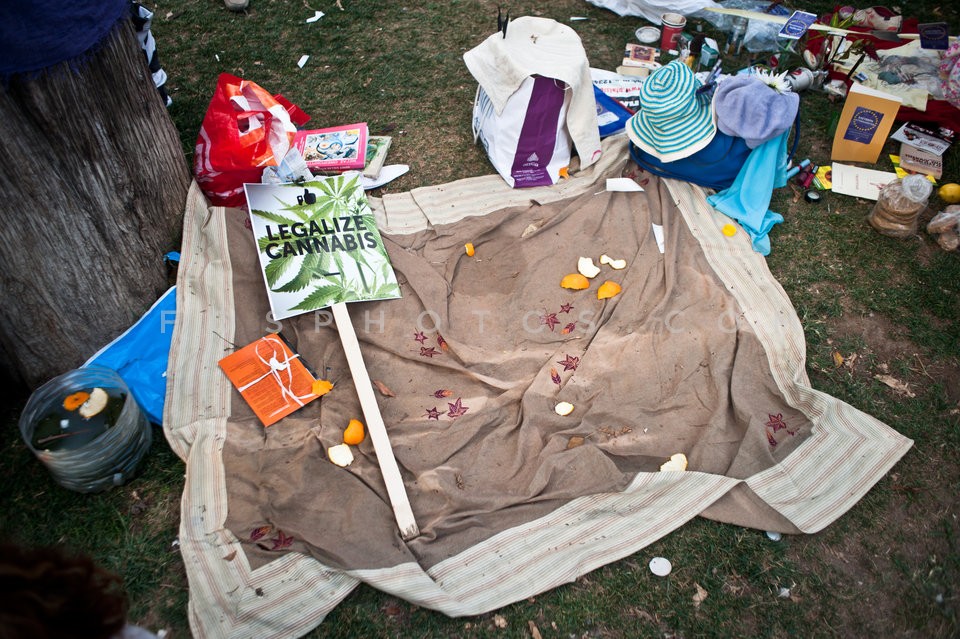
[[888, 568]]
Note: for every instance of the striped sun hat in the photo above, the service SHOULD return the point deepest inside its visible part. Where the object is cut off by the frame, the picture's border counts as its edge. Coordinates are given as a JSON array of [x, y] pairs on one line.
[[673, 121]]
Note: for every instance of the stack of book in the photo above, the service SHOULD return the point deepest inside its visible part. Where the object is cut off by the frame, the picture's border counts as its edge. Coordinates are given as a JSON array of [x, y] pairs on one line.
[[638, 60]]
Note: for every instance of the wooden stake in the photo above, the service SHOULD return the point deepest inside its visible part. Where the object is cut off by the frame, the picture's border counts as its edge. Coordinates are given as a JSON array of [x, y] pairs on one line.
[[375, 426]]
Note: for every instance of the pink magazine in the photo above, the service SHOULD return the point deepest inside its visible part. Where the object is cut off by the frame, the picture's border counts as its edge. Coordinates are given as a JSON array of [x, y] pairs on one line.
[[333, 149]]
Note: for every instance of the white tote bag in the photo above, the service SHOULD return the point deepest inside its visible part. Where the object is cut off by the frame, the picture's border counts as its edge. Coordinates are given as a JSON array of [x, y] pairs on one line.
[[528, 142], [536, 105]]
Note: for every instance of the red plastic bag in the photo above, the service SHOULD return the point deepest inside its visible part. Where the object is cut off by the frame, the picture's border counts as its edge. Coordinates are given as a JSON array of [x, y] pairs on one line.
[[244, 130]]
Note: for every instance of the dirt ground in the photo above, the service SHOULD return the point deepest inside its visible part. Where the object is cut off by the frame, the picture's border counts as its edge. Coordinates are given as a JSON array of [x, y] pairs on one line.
[[899, 551]]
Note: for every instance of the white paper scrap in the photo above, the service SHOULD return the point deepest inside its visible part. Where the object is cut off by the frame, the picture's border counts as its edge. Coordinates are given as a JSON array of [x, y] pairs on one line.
[[658, 235], [316, 16], [302, 61], [622, 184], [387, 174]]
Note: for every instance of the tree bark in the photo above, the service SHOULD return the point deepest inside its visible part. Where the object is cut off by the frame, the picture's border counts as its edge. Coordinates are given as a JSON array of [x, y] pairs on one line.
[[93, 183]]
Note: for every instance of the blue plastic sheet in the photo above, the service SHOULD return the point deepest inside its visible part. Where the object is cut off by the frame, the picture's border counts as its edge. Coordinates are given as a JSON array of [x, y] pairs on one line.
[[140, 355]]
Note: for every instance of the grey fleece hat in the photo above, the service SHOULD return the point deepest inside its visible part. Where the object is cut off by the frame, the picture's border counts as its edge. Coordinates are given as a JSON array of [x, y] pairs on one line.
[[748, 108]]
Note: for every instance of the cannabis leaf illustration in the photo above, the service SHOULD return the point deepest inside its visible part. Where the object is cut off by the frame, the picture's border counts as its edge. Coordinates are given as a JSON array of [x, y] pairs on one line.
[[326, 248]]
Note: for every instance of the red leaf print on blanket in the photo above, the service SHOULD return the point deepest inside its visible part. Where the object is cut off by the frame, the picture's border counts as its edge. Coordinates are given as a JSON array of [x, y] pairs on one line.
[[457, 409], [549, 319]]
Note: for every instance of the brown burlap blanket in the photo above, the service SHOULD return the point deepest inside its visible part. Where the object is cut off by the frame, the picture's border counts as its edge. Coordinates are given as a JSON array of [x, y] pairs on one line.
[[700, 354]]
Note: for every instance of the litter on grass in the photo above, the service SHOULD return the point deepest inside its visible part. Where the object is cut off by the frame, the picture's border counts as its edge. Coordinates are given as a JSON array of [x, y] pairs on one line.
[[660, 566]]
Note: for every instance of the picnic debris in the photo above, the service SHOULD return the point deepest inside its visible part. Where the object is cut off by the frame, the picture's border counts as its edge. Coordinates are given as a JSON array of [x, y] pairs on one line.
[[73, 401], [95, 403], [587, 268], [563, 408], [678, 462], [612, 263], [321, 387], [354, 432], [575, 281], [608, 289], [660, 566], [341, 455]]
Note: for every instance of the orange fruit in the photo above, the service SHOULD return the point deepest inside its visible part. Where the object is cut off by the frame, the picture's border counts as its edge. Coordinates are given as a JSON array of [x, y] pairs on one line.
[[354, 433], [469, 249], [608, 289], [576, 281]]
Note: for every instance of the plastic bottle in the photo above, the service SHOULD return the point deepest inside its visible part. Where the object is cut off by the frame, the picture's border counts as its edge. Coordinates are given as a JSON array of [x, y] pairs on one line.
[[739, 29], [899, 205]]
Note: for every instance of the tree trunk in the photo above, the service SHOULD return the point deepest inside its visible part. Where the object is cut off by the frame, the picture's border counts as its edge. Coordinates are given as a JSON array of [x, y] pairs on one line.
[[93, 183]]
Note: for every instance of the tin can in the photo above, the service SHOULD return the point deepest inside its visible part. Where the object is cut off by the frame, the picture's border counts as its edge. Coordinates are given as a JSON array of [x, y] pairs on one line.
[[803, 78]]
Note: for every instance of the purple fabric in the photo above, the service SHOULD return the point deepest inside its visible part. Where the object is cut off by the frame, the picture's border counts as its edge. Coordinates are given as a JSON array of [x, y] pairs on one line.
[[38, 34], [747, 108], [538, 136]]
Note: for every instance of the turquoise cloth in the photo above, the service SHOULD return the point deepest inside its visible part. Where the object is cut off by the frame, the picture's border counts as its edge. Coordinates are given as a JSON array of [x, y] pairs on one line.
[[748, 199]]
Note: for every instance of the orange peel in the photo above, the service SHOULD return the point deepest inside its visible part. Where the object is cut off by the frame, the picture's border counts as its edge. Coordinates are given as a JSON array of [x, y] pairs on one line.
[[608, 289], [321, 387], [341, 455], [95, 403], [575, 281], [587, 268], [354, 432], [677, 462], [73, 401]]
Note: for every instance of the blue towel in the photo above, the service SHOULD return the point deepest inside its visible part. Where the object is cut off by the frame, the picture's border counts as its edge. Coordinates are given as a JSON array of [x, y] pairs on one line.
[[748, 199]]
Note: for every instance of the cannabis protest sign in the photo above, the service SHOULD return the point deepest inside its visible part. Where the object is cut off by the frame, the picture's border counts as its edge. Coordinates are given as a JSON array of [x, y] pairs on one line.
[[318, 245]]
